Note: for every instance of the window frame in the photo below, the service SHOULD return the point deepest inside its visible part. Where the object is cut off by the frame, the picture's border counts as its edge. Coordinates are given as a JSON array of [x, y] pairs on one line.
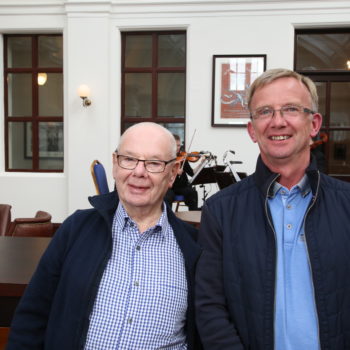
[[34, 119], [328, 77], [154, 70]]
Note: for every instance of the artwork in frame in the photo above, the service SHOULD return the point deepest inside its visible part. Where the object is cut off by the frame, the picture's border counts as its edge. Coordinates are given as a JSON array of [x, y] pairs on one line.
[[232, 76], [51, 140]]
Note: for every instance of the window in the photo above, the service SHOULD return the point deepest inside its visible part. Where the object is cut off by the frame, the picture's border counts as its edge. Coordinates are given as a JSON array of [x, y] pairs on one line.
[[33, 102], [324, 56], [154, 79]]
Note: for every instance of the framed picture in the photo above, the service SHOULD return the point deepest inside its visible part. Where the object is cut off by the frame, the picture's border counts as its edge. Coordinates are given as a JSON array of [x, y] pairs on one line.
[[50, 140], [232, 76]]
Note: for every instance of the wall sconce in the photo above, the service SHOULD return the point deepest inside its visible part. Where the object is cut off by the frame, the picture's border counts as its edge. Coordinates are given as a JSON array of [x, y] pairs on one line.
[[42, 77], [84, 92], [348, 64]]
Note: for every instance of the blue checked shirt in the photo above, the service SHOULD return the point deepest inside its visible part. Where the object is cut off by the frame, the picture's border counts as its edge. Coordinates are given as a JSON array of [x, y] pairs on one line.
[[295, 319], [142, 298]]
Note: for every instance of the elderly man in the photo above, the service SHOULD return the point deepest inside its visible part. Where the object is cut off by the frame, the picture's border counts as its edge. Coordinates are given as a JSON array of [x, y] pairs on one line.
[[120, 275], [275, 269]]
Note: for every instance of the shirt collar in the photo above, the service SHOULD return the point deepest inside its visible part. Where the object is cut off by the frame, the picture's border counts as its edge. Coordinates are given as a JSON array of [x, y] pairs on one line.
[[123, 220], [303, 186]]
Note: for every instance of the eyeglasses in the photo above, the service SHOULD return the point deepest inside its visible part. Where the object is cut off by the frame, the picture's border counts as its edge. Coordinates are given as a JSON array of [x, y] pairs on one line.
[[287, 112], [152, 166]]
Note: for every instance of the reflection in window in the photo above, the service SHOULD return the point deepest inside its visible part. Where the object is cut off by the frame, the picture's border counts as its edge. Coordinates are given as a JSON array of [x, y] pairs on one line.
[[328, 51]]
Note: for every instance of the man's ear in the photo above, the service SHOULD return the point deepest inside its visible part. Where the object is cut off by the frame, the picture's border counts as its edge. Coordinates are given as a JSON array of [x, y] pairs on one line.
[[316, 124], [174, 171], [251, 131]]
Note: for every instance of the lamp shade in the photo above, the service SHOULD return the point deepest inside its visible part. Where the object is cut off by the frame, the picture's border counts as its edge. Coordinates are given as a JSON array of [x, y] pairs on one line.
[[83, 90]]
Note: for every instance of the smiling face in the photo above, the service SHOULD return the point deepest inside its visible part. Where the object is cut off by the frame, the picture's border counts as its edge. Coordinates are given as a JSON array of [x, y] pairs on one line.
[[282, 141], [138, 189]]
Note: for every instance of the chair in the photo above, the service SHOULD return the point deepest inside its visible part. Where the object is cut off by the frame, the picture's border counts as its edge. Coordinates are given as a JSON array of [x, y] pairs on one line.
[[99, 176], [4, 333], [179, 199], [5, 218], [39, 226]]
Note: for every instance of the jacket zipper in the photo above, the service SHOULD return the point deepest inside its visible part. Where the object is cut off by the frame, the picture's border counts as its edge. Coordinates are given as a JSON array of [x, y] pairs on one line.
[[275, 237], [308, 256], [276, 251]]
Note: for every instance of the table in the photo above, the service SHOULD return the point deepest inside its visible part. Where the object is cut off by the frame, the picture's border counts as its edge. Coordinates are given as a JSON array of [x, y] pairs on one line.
[[19, 257], [192, 217]]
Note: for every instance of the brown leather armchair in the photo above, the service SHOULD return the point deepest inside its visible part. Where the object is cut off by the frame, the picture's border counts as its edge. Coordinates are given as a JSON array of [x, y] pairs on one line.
[[39, 226], [5, 218]]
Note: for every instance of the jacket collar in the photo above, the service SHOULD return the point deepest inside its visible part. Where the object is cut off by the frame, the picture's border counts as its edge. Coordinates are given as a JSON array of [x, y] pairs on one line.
[[106, 205], [264, 177]]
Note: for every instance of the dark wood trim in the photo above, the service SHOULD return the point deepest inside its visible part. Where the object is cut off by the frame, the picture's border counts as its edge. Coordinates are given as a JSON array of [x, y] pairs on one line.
[[154, 70], [34, 119]]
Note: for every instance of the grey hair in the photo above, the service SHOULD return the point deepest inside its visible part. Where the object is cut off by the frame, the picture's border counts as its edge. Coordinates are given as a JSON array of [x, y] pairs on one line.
[[273, 74]]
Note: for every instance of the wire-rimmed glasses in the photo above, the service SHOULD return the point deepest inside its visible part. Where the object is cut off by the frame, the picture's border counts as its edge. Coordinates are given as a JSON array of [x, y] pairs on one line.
[[287, 112]]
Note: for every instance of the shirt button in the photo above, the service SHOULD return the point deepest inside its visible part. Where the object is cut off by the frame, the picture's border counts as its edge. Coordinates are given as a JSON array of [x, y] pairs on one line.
[[289, 226], [130, 320], [289, 206], [138, 247], [136, 283]]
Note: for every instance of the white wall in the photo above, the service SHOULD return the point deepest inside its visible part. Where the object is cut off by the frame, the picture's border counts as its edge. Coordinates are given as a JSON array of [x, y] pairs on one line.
[[91, 32]]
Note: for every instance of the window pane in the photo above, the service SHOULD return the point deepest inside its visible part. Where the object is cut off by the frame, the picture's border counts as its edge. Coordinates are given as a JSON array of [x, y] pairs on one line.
[[172, 50], [171, 95], [51, 95], [339, 152], [323, 51], [50, 51], [51, 145], [321, 92], [19, 52], [138, 94], [340, 104], [20, 145], [176, 128], [138, 51], [19, 98]]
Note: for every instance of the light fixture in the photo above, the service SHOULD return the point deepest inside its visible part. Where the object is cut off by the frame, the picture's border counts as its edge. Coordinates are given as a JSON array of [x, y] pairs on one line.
[[42, 77], [84, 92], [348, 64]]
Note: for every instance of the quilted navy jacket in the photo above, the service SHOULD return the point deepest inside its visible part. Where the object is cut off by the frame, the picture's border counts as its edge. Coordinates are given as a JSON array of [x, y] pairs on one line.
[[236, 274], [54, 312]]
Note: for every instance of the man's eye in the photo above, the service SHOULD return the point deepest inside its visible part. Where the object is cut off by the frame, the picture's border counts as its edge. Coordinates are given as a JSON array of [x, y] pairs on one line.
[[129, 159], [291, 109], [154, 163], [265, 111]]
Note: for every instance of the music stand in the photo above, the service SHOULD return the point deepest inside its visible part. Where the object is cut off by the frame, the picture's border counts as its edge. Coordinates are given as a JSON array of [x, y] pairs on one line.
[[204, 176], [224, 179]]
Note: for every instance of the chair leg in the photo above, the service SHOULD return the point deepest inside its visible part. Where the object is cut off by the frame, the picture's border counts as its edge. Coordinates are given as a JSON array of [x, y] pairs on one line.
[[177, 206]]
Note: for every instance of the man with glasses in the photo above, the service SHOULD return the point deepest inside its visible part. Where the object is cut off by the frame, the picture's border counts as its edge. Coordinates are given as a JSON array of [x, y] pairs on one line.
[[275, 268], [120, 275]]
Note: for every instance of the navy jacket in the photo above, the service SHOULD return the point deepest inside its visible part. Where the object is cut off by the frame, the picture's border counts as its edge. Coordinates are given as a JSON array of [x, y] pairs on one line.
[[54, 311], [236, 274]]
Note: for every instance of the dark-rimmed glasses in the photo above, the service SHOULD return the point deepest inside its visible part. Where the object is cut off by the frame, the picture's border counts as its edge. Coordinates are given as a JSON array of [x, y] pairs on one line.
[[151, 165], [287, 112]]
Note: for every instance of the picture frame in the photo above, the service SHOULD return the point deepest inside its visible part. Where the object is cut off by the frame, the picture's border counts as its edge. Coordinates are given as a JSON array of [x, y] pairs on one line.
[[51, 140], [232, 76]]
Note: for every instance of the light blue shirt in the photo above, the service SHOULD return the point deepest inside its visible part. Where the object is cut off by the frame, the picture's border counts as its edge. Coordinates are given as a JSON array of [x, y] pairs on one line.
[[142, 298], [296, 326]]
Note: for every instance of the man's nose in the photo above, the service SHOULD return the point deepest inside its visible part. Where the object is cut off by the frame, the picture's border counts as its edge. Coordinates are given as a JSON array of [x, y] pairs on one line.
[[140, 167], [278, 118]]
